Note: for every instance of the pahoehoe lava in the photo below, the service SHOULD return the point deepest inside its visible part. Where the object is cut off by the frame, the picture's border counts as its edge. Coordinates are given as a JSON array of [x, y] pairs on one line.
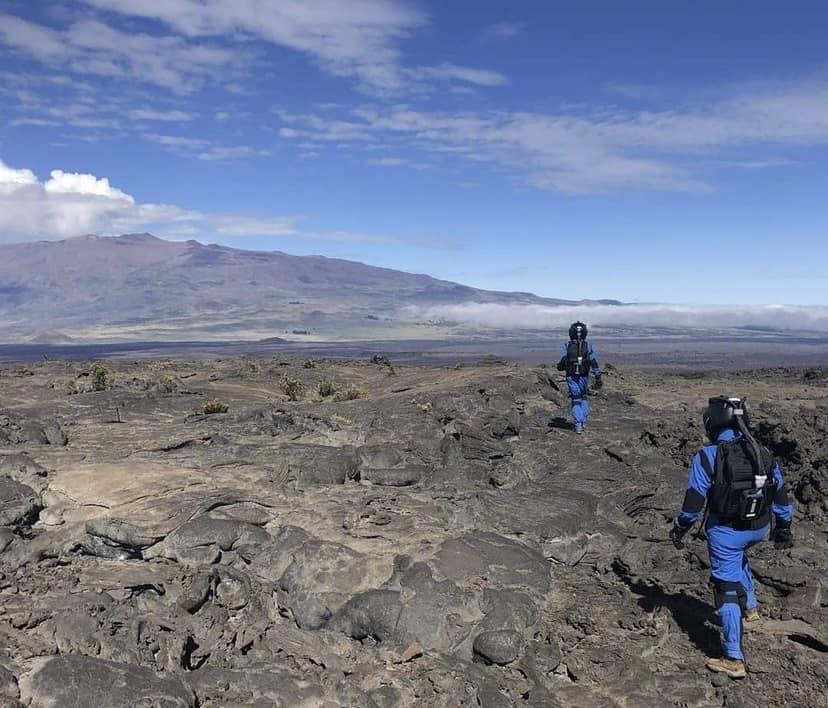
[[397, 536]]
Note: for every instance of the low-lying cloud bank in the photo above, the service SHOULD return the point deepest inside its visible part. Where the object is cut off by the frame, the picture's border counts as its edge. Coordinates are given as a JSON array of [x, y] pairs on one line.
[[782, 317]]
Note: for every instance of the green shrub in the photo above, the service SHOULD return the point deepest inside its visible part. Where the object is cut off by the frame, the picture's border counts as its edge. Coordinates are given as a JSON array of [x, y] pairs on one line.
[[292, 388], [350, 393], [214, 406], [425, 407], [326, 388], [100, 377]]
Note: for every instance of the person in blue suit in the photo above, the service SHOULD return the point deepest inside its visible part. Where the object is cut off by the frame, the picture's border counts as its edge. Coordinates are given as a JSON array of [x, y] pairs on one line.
[[743, 489], [577, 358]]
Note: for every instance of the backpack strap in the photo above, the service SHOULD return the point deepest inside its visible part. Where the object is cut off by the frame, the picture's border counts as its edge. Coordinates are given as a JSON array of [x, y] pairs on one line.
[[705, 463]]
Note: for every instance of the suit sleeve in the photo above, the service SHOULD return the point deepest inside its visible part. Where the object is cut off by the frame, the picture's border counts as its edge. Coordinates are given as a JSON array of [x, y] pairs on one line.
[[562, 360], [695, 496], [781, 504], [593, 360]]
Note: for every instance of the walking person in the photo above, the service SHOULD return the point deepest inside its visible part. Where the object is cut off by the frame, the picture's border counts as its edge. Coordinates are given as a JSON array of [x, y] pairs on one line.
[[743, 489], [577, 359]]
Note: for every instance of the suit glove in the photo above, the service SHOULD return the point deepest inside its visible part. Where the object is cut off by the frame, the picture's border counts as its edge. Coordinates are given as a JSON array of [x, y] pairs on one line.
[[782, 537], [599, 382], [562, 364], [677, 534]]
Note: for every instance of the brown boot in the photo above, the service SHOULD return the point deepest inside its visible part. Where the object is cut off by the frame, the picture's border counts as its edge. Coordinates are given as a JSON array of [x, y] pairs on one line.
[[751, 615], [751, 619], [731, 667]]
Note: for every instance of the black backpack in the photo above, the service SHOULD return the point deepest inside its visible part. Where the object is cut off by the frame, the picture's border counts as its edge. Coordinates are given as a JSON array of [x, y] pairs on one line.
[[577, 358], [734, 495]]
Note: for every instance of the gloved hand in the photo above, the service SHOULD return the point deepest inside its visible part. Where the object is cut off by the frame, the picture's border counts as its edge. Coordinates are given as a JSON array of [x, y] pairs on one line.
[[782, 537], [677, 534], [598, 381], [562, 364]]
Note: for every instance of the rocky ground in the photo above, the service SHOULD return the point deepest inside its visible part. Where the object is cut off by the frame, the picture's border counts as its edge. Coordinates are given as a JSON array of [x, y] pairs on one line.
[[397, 536]]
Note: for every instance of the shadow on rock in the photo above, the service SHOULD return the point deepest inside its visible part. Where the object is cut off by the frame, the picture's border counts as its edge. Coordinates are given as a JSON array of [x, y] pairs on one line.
[[560, 423], [688, 612]]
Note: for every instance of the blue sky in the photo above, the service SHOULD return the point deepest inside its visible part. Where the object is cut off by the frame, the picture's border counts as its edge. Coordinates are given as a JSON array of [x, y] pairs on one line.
[[645, 151]]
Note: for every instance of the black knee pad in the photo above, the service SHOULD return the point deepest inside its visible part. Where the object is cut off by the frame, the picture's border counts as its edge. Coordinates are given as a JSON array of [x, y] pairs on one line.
[[721, 588]]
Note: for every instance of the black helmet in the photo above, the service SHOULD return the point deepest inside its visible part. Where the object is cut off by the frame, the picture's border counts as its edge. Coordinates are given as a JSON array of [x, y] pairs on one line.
[[577, 330], [724, 412]]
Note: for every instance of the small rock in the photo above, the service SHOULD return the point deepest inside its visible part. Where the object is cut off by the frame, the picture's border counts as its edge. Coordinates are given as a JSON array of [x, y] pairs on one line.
[[500, 647], [412, 651]]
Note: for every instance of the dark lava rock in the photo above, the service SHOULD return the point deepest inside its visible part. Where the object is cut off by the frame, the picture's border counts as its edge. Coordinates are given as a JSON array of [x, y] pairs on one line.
[[19, 504], [54, 434], [488, 555], [81, 682], [9, 692], [22, 468], [499, 647], [309, 465], [320, 579], [32, 433], [205, 536], [394, 477]]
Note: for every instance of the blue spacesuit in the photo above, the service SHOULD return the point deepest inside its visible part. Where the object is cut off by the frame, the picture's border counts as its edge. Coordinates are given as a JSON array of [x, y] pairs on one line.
[[577, 358], [733, 524]]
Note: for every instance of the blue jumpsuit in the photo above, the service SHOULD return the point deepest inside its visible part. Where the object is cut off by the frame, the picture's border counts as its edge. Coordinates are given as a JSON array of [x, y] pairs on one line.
[[579, 388], [729, 569]]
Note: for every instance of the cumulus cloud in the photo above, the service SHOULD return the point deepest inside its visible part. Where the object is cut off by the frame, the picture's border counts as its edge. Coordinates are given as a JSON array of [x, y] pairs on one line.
[[70, 204], [61, 182], [528, 316]]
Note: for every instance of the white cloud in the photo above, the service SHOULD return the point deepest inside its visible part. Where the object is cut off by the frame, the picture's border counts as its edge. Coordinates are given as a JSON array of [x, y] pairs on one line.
[[784, 317], [204, 149], [351, 38], [71, 204], [92, 47], [346, 37], [152, 114], [479, 77], [182, 142], [61, 182], [599, 150], [223, 153], [12, 179]]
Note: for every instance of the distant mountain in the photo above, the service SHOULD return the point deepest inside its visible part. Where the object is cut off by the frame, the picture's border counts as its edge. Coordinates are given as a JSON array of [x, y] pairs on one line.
[[141, 286]]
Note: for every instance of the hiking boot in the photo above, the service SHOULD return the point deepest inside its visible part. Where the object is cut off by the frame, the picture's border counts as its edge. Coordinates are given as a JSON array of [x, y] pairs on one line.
[[751, 615], [732, 667], [751, 620], [579, 428]]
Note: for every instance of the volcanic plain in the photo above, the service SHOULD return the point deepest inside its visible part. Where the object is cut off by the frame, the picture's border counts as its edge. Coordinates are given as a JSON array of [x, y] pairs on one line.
[[311, 533]]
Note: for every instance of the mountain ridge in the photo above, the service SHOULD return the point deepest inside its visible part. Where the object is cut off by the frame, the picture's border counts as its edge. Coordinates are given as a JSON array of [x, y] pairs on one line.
[[138, 284]]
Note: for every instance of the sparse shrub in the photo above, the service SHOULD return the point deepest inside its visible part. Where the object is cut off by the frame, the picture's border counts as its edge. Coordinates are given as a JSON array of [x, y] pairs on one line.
[[309, 364], [101, 380], [340, 419], [424, 407], [350, 393], [72, 387], [326, 388], [292, 388], [214, 406], [166, 384]]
